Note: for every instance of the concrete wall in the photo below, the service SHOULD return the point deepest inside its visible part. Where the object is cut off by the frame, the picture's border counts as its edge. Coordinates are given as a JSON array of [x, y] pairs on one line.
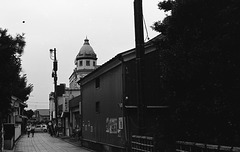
[[17, 131]]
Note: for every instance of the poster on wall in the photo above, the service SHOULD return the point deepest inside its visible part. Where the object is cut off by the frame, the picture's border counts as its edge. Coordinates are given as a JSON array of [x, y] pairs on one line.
[[107, 124], [113, 125], [120, 122]]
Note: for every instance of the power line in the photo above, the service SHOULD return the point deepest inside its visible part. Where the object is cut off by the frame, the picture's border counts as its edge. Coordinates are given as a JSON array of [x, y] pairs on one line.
[[35, 103], [145, 25], [38, 101]]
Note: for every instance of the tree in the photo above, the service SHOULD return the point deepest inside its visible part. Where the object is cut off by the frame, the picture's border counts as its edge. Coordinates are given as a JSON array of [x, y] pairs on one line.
[[21, 89], [29, 113], [12, 83], [200, 68]]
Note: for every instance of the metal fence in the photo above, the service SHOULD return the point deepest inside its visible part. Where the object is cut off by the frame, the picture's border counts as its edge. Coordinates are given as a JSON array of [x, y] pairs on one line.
[[183, 146], [142, 144]]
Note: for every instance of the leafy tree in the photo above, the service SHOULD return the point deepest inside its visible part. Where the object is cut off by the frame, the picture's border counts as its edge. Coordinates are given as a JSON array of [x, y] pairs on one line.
[[29, 113], [12, 83], [200, 68], [21, 89]]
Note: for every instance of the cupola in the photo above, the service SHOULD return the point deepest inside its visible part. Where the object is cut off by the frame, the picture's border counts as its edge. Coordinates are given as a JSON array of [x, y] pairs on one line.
[[86, 51]]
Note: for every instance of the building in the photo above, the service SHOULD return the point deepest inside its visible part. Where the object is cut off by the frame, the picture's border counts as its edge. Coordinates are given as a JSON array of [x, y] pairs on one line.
[[75, 118], [85, 63], [69, 98], [14, 124], [63, 109], [41, 115], [51, 106], [109, 102]]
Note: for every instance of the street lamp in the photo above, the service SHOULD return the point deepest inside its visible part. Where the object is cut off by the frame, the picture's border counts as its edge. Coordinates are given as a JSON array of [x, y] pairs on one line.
[[54, 75]]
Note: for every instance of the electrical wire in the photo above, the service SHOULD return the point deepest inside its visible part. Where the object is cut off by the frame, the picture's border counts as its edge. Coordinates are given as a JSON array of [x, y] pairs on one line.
[[144, 22]]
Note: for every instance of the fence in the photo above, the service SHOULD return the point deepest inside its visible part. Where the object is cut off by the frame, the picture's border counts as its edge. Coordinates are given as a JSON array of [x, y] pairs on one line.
[[183, 146], [142, 144], [146, 144]]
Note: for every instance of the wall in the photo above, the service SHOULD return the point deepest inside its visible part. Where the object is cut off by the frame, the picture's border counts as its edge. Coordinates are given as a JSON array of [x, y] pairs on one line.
[[17, 131], [101, 112]]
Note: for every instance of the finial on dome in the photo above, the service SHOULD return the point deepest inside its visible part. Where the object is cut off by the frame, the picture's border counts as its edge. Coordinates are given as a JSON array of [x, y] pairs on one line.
[[86, 41]]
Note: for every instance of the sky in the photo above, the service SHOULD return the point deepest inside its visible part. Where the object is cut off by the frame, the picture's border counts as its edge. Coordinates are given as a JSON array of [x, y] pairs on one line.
[[64, 24]]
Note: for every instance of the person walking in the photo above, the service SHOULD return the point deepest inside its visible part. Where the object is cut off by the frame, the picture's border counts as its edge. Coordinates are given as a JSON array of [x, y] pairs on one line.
[[28, 129], [50, 128], [33, 130]]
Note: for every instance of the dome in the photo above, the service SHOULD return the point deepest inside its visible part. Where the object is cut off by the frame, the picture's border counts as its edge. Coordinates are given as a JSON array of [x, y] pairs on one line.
[[86, 51]]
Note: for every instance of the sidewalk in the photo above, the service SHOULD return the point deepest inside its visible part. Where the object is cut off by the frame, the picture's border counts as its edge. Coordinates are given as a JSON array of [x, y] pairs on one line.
[[72, 141], [43, 142]]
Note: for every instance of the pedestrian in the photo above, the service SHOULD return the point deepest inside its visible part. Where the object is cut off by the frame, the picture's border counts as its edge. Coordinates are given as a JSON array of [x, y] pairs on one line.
[[50, 128], [33, 130], [55, 128], [28, 129]]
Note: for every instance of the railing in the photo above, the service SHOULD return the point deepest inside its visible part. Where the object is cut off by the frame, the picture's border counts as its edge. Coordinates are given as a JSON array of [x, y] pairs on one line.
[[142, 144], [183, 146]]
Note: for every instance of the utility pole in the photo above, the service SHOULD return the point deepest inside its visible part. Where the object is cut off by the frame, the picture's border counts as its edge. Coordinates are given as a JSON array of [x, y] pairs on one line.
[[139, 40], [54, 75]]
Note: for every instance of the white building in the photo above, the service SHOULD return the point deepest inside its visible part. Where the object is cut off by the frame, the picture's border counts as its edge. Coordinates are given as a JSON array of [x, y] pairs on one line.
[[85, 62]]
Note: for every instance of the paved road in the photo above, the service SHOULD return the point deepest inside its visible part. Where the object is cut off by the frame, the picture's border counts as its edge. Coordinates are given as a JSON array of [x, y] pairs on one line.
[[43, 142]]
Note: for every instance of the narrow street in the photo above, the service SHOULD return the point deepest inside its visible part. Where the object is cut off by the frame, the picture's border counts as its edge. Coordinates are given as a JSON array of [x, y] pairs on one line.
[[43, 142]]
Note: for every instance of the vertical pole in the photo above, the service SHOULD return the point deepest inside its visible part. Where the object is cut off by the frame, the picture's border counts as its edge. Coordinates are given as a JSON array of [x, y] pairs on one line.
[[55, 86], [139, 40], [1, 133]]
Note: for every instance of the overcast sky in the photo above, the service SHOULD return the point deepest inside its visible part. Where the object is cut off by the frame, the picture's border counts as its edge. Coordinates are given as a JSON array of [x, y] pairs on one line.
[[64, 24]]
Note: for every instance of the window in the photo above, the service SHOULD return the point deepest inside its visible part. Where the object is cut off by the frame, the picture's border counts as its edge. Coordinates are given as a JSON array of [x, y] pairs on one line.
[[80, 63], [97, 107], [87, 63], [97, 82], [94, 63]]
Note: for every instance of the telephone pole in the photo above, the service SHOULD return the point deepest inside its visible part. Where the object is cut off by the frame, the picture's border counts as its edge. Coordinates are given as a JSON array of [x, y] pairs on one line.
[[53, 56], [139, 40]]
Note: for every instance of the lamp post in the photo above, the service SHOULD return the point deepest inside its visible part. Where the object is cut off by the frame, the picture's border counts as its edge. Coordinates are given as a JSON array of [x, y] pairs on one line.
[[54, 75]]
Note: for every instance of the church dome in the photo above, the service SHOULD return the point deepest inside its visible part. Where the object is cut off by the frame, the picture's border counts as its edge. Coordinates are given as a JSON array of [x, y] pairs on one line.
[[86, 51]]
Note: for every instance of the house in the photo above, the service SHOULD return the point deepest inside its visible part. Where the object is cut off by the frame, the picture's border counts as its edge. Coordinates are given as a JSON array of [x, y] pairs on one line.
[[14, 124]]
